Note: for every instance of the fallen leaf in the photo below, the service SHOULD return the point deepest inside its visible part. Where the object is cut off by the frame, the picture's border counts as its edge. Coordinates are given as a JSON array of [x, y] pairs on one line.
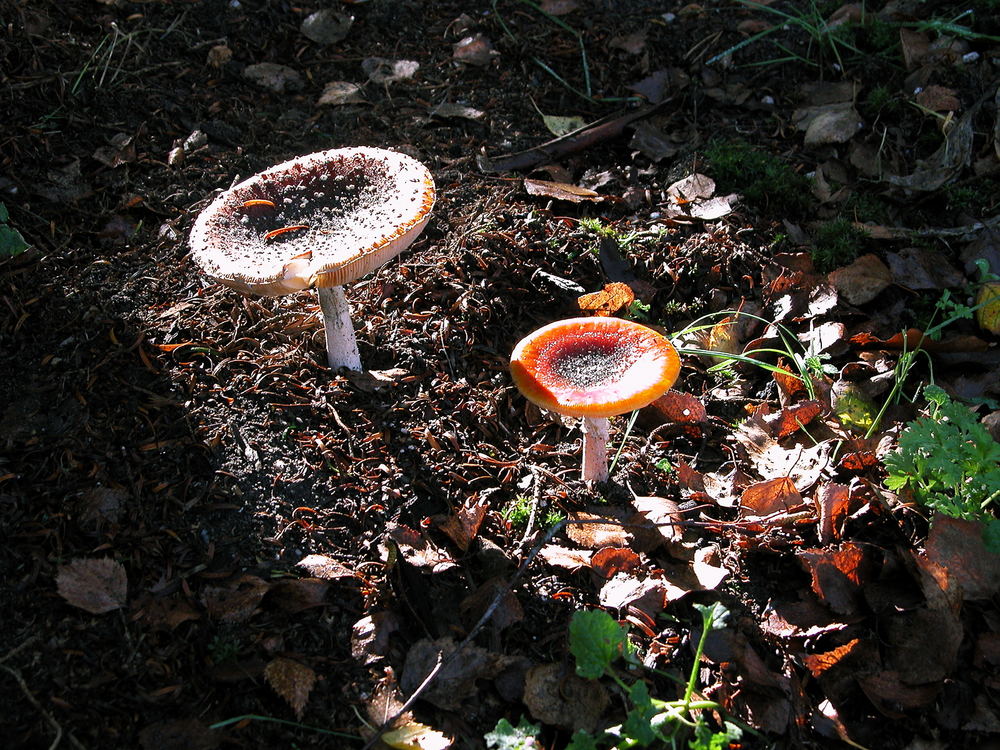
[[836, 575], [768, 498], [292, 680], [97, 586], [165, 613], [325, 567], [236, 602], [463, 525], [817, 664], [863, 280], [610, 561], [564, 557], [297, 594], [561, 191], [633, 43], [456, 680], [370, 636], [474, 50], [920, 268], [383, 71], [894, 698], [508, 608], [830, 123], [608, 301], [558, 697], [326, 26], [793, 418], [417, 550], [682, 409], [957, 546], [947, 162], [832, 503], [447, 110], [938, 99], [273, 77], [336, 93]]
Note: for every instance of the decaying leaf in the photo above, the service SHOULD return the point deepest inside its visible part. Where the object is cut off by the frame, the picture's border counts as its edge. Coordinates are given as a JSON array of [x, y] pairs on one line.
[[610, 561], [555, 695], [236, 602], [836, 575], [292, 680], [370, 636], [768, 498], [296, 594], [383, 71], [561, 191], [325, 567], [463, 525], [863, 280], [564, 557], [456, 681], [682, 409], [336, 93], [418, 550], [97, 586]]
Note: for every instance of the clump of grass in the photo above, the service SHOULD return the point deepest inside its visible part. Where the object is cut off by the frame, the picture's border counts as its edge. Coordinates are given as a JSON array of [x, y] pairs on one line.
[[763, 179], [836, 244]]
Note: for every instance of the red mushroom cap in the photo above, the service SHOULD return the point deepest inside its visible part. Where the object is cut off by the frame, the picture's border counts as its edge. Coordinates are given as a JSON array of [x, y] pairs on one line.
[[594, 367]]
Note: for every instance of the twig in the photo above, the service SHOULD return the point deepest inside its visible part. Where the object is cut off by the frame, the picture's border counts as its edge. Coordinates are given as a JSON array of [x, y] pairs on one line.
[[595, 132]]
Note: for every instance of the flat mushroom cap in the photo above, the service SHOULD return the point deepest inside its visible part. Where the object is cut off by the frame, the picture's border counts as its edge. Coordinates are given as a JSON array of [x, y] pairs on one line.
[[594, 367], [323, 219]]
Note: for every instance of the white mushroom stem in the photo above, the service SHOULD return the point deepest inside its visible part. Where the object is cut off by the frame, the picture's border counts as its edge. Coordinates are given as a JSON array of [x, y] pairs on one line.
[[595, 449], [341, 343]]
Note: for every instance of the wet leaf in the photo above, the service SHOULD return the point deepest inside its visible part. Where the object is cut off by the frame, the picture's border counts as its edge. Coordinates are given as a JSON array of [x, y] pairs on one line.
[[292, 680], [97, 586]]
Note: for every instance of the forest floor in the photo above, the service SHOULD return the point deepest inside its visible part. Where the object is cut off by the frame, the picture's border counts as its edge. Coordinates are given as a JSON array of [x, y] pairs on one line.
[[213, 540]]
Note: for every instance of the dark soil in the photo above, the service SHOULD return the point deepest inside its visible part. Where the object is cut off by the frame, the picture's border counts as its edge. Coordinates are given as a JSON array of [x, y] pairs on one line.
[[197, 437]]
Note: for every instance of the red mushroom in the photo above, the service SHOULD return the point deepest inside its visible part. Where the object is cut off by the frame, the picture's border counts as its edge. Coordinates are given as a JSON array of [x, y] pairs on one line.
[[322, 220], [594, 368]]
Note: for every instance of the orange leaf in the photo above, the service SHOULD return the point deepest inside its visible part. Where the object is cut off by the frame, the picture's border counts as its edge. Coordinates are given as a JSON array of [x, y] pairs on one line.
[[611, 299], [771, 496]]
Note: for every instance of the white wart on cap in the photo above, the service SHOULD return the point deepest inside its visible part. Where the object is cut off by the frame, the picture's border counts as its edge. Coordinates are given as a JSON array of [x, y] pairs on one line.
[[323, 220]]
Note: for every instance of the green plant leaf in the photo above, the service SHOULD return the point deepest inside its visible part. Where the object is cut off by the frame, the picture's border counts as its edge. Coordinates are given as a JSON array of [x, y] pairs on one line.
[[595, 640], [581, 741], [505, 736], [11, 242]]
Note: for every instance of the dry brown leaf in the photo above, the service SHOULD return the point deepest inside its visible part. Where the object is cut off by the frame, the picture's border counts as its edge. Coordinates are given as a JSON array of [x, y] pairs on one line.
[[820, 663], [97, 586], [767, 498], [600, 531], [456, 681], [296, 594], [236, 602], [463, 526], [325, 567], [803, 464], [863, 280], [837, 575], [793, 418], [507, 612], [610, 561], [561, 191], [664, 513], [894, 698], [609, 300], [370, 636], [417, 550], [292, 680], [165, 612], [938, 99], [564, 557], [556, 696], [832, 504], [957, 546]]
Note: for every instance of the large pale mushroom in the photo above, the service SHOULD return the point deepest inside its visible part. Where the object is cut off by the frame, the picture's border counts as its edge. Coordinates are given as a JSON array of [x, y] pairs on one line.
[[322, 220], [594, 368]]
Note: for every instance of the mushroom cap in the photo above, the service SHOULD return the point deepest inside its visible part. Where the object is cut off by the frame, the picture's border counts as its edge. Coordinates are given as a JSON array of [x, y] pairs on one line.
[[594, 367], [323, 219]]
